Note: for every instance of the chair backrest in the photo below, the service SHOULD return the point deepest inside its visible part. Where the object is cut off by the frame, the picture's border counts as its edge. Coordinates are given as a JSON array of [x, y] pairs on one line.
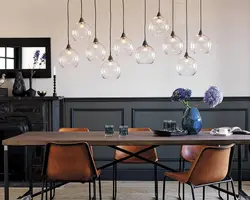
[[69, 162], [212, 165], [73, 130], [138, 129]]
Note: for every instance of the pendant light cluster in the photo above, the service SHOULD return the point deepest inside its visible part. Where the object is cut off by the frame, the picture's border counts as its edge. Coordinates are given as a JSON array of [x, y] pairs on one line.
[[145, 54]]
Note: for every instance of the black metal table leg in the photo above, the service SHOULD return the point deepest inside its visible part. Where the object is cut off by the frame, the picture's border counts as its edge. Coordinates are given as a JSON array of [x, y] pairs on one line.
[[6, 174], [239, 170]]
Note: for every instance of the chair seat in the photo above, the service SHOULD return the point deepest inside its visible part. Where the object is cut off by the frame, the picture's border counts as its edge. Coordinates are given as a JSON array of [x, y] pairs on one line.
[[178, 176]]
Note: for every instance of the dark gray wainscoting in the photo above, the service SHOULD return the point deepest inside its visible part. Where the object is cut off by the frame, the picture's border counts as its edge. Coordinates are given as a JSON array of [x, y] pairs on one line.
[[94, 113]]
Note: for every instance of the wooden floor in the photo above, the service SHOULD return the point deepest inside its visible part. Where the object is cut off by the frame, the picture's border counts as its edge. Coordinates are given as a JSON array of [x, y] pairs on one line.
[[127, 190]]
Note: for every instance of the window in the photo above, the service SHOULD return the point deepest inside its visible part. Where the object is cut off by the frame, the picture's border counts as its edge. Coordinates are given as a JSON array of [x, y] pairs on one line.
[[7, 58]]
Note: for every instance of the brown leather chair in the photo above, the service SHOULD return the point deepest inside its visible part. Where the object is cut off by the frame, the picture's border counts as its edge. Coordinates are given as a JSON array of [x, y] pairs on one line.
[[211, 166], [69, 163], [71, 130], [150, 155]]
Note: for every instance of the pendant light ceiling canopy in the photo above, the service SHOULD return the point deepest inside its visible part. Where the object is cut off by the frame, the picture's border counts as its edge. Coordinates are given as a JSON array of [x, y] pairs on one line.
[[201, 42], [81, 30], [95, 51], [145, 54], [68, 57], [187, 66], [110, 68]]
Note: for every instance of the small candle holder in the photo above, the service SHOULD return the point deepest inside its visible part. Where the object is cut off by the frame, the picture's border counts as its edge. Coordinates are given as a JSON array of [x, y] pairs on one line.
[[123, 131], [109, 130], [54, 86]]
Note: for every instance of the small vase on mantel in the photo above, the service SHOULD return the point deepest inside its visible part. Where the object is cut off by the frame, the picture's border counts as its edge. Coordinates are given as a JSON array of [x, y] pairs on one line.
[[19, 88], [191, 120], [31, 92]]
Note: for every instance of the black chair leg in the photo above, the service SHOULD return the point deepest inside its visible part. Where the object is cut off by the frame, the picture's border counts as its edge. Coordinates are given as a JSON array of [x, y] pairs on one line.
[[42, 192], [156, 182], [227, 190], [204, 193], [219, 193], [114, 181], [164, 185], [183, 185], [50, 191], [94, 188], [46, 186], [179, 184], [54, 190], [232, 184], [100, 188], [90, 191], [192, 189]]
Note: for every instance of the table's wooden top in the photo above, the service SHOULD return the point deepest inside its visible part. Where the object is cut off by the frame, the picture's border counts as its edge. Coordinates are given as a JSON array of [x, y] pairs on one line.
[[97, 138]]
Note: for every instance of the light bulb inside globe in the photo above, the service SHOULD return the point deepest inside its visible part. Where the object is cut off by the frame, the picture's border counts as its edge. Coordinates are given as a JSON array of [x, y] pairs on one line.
[[123, 46], [172, 45], [81, 31], [186, 66], [68, 57], [145, 54], [201, 43], [95, 51], [110, 69], [158, 26]]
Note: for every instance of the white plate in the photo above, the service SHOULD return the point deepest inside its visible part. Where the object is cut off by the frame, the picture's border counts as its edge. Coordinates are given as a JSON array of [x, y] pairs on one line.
[[213, 132]]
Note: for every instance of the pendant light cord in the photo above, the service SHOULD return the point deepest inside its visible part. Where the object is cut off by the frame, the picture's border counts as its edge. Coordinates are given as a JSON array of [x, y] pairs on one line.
[[110, 28], [95, 18], [68, 21], [145, 20], [201, 15], [123, 17], [159, 6], [81, 8], [173, 13], [186, 26]]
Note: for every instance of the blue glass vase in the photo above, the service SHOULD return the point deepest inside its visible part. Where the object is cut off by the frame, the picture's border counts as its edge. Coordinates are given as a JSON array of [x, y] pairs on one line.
[[191, 121]]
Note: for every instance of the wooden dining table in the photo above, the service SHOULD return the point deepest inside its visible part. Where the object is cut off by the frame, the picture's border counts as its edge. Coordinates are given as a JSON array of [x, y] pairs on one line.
[[97, 138]]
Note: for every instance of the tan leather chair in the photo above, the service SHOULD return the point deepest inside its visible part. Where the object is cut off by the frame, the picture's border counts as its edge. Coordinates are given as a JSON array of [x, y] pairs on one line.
[[150, 155], [69, 163], [211, 166]]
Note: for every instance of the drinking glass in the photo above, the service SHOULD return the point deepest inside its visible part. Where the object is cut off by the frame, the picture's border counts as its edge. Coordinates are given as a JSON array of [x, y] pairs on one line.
[[109, 130], [123, 131], [169, 125]]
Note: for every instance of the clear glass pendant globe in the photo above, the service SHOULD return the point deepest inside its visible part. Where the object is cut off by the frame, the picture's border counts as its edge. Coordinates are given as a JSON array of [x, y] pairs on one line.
[[123, 46], [158, 26], [186, 66], [81, 32], [172, 45], [68, 58], [111, 70], [95, 52], [145, 55], [201, 43]]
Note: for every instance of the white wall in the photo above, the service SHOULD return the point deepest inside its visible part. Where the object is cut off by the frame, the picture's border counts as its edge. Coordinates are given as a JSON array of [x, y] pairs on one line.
[[226, 22]]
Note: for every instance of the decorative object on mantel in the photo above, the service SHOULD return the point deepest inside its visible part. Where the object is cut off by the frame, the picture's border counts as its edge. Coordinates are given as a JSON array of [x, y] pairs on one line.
[[54, 83], [31, 92], [158, 25], [145, 54], [201, 42], [68, 57], [3, 91], [172, 45], [19, 89], [191, 120], [186, 66], [123, 46], [81, 30], [95, 51], [110, 68], [41, 93]]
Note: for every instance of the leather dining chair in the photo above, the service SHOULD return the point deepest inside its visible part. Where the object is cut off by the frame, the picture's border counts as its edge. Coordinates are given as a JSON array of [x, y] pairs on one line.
[[150, 155], [211, 166], [69, 163], [70, 130]]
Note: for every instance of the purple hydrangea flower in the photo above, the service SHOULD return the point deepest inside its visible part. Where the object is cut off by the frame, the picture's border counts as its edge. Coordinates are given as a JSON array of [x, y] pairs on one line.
[[181, 94], [36, 56], [213, 96]]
